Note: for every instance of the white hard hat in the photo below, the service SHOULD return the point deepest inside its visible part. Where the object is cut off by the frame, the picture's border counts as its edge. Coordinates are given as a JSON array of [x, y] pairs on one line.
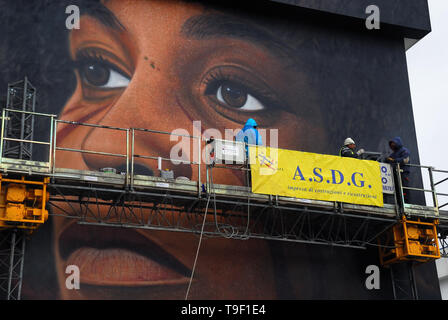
[[348, 141]]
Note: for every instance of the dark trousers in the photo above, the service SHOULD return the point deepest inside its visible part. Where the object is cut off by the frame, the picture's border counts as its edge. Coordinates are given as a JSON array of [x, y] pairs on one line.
[[405, 182]]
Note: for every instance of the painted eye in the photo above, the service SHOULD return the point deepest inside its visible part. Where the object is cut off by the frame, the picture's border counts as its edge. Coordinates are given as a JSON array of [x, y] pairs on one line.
[[235, 96], [101, 75]]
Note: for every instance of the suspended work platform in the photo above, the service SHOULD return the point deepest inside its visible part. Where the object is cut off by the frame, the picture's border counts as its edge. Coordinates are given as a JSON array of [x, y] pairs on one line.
[[131, 200], [177, 205], [127, 199], [94, 197]]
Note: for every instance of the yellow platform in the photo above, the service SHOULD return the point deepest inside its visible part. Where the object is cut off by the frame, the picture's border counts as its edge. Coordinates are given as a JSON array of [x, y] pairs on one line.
[[410, 241], [22, 203]]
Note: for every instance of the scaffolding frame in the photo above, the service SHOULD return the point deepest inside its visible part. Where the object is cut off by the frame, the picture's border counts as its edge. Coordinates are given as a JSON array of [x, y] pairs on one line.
[[17, 129], [229, 218], [20, 126], [404, 286], [12, 257]]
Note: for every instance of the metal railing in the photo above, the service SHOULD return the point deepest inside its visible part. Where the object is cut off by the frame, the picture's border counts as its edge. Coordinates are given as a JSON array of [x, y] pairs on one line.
[[84, 151], [128, 140], [438, 183], [432, 184], [131, 157], [196, 163], [49, 143]]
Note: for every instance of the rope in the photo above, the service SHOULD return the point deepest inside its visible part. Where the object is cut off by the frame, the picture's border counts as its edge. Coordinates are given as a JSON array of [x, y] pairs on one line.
[[197, 251]]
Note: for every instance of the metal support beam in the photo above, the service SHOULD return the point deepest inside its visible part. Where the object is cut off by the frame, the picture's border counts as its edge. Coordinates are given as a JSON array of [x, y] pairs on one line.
[[12, 256], [20, 126], [229, 217], [404, 285]]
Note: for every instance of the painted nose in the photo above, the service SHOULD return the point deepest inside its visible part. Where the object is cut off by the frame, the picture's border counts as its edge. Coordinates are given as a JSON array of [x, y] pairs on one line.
[[106, 148], [115, 150]]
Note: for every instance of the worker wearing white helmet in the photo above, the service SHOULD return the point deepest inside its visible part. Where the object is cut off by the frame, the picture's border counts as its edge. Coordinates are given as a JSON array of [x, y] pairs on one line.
[[348, 149]]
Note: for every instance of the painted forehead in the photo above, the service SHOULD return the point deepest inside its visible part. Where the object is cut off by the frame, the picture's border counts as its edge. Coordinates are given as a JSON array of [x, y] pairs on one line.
[[220, 22]]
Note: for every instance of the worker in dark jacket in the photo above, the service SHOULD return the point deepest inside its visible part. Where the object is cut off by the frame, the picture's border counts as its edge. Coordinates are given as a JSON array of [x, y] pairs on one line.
[[400, 155], [348, 149]]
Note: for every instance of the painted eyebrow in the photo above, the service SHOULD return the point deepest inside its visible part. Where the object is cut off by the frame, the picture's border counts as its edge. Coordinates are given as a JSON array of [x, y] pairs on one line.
[[207, 26], [103, 15]]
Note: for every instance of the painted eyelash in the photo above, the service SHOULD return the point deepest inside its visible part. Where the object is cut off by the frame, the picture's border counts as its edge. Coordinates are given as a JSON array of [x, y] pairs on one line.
[[91, 56], [88, 56], [217, 76]]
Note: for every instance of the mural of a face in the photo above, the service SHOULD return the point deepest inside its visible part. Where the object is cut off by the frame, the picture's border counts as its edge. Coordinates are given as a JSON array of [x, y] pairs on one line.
[[163, 65]]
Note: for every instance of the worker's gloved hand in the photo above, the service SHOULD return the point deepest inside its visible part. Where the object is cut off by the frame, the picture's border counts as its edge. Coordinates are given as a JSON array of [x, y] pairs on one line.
[[360, 152]]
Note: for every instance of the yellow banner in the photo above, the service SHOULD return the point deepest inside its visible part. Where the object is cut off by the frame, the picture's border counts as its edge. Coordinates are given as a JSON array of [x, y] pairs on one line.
[[315, 176]]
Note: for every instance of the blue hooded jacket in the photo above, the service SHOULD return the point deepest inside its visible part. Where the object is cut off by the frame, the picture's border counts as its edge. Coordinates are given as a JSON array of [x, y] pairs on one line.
[[249, 134], [401, 153]]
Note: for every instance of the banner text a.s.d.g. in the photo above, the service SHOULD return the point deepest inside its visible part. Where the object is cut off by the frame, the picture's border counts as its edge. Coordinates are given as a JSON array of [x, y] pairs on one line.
[[315, 176]]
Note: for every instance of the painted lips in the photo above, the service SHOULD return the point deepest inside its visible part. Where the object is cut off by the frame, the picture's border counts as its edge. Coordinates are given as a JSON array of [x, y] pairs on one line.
[[109, 256]]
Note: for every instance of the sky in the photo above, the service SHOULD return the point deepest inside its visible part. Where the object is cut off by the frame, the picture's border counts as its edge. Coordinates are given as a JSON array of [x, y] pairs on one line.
[[428, 78]]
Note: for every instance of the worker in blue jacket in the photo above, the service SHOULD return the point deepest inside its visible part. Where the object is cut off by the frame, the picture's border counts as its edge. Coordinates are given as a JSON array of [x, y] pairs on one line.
[[400, 155], [249, 134]]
